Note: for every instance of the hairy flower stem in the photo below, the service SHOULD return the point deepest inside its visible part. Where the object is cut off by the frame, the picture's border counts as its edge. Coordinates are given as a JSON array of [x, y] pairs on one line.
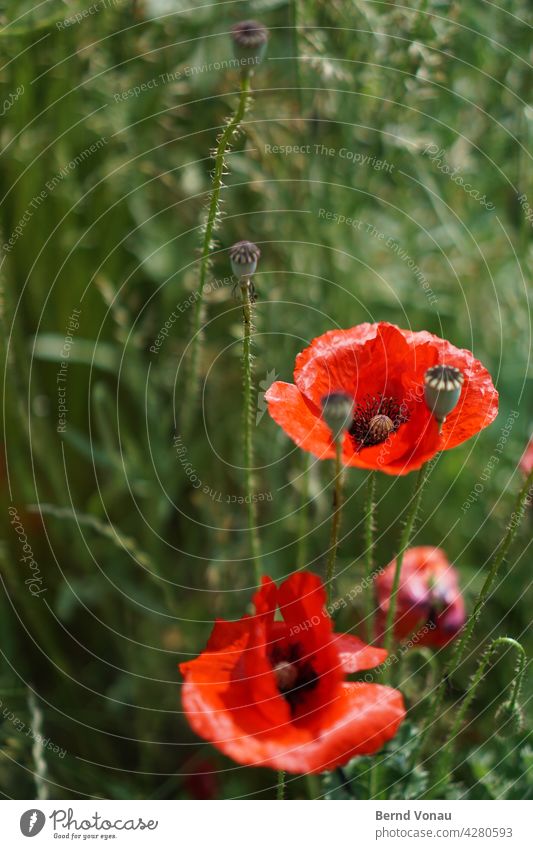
[[404, 544], [461, 644], [222, 148], [336, 519], [441, 770], [375, 776], [303, 530], [370, 524], [248, 416], [281, 785]]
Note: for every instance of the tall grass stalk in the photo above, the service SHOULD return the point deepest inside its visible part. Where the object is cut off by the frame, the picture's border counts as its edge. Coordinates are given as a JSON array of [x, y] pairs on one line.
[[224, 141]]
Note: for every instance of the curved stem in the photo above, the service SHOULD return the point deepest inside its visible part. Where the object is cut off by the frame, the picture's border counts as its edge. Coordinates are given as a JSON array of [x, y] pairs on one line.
[[222, 147], [370, 524], [404, 544], [523, 499], [248, 415], [336, 518], [442, 764]]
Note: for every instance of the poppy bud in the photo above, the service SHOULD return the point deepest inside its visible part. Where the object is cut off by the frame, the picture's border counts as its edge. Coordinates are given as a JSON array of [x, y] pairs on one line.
[[249, 41], [442, 388], [379, 427], [429, 607], [337, 412], [244, 256], [509, 720]]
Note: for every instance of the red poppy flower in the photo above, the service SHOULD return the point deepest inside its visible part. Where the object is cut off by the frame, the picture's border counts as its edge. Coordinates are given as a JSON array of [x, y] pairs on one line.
[[428, 594], [273, 693], [526, 463], [382, 368]]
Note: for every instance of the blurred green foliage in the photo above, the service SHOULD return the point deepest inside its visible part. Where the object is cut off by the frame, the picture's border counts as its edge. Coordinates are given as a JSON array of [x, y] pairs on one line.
[[108, 188]]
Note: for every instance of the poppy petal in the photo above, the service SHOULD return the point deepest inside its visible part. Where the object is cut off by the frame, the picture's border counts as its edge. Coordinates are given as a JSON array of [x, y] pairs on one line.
[[382, 361], [362, 360], [299, 419], [358, 722], [355, 655], [478, 404]]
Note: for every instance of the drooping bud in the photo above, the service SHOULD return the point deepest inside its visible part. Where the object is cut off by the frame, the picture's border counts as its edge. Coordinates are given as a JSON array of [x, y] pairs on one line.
[[337, 412], [244, 257], [509, 720], [250, 40], [442, 389]]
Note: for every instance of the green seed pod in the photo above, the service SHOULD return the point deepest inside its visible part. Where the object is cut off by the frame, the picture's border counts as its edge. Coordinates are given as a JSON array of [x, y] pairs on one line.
[[509, 720], [250, 40], [244, 257], [337, 412], [442, 389]]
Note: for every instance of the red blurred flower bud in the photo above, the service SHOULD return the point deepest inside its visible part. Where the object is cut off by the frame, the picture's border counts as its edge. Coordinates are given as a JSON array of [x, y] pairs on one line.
[[430, 608]]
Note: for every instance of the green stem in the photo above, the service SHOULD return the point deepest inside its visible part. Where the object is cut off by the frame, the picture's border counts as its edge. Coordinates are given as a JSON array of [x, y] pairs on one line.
[[461, 644], [248, 415], [404, 544], [281, 785], [442, 763], [301, 557], [336, 519], [370, 524], [223, 144]]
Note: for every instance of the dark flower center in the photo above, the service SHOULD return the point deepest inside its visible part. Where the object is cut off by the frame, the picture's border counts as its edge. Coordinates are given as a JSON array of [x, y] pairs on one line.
[[375, 418], [294, 676]]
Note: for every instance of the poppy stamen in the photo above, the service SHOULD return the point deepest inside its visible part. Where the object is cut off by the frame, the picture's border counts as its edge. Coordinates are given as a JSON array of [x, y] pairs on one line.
[[286, 675], [294, 676], [375, 418]]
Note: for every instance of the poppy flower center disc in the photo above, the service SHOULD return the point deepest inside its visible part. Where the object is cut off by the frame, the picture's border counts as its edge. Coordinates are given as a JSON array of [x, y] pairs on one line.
[[375, 418], [294, 676]]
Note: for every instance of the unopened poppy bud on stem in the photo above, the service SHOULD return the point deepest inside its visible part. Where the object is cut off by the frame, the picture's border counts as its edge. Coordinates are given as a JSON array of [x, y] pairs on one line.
[[244, 257], [337, 412], [250, 40], [442, 389]]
